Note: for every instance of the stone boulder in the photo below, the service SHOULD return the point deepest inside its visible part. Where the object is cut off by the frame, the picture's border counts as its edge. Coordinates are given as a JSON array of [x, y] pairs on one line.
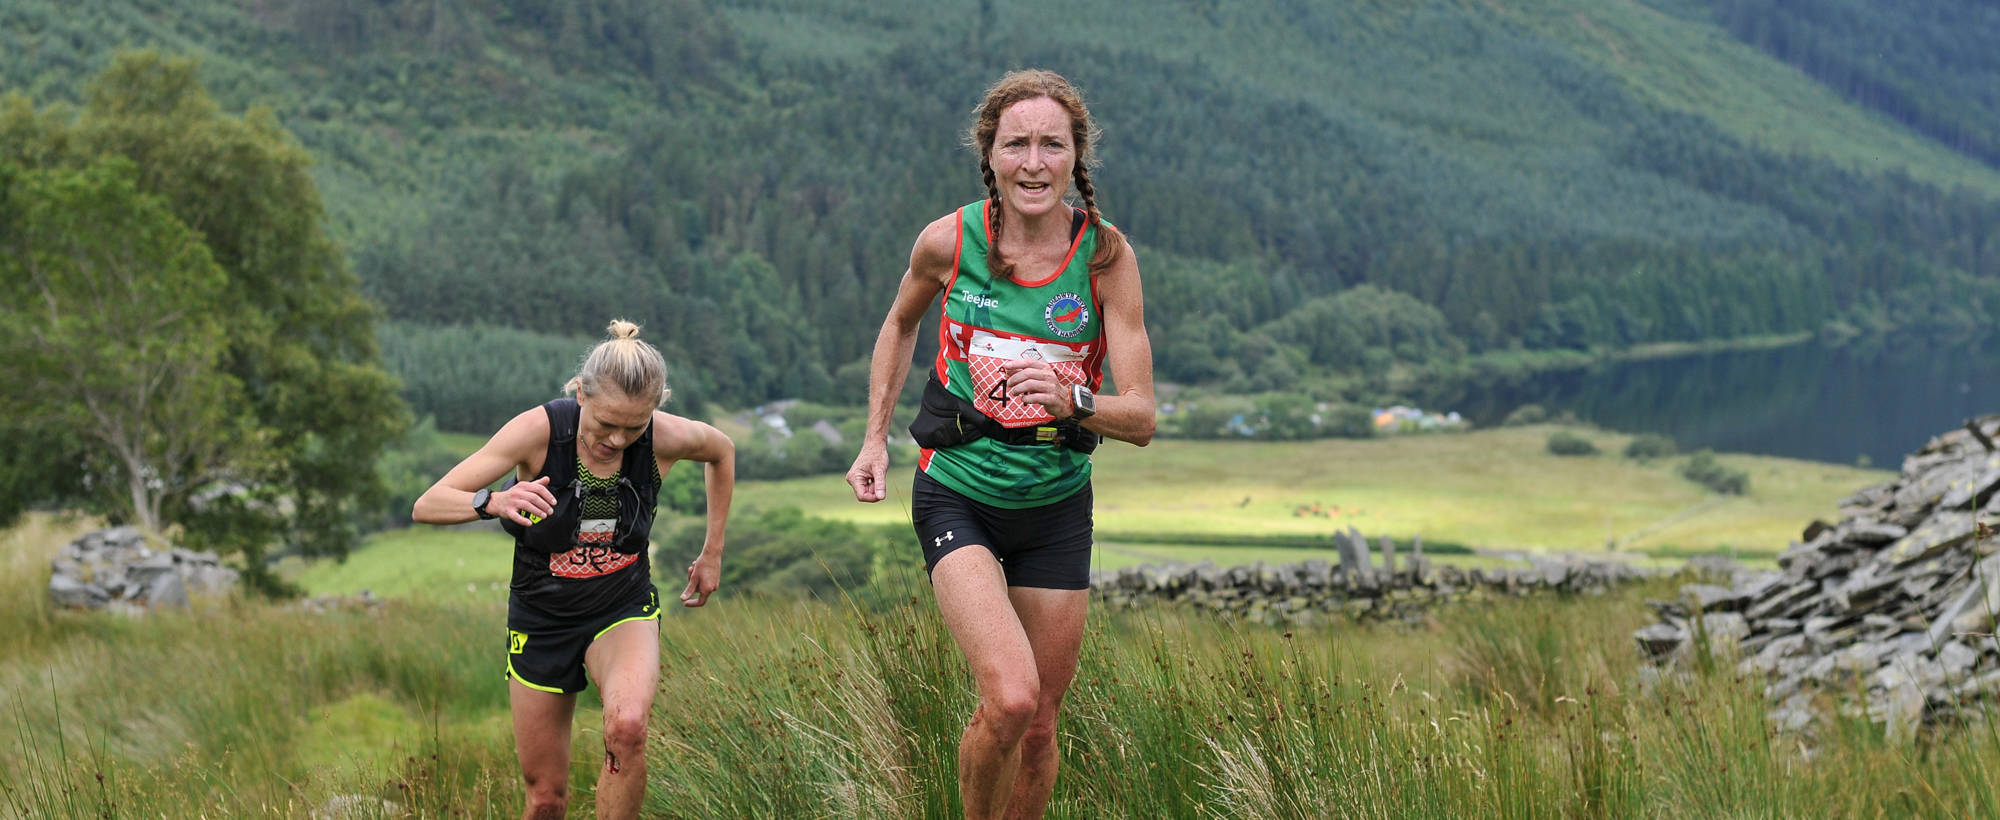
[[117, 568]]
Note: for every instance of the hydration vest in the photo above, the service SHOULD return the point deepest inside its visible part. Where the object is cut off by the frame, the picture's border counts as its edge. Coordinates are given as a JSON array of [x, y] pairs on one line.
[[636, 500]]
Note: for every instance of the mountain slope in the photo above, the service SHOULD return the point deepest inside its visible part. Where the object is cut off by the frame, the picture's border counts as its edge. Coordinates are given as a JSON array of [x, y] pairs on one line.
[[746, 178]]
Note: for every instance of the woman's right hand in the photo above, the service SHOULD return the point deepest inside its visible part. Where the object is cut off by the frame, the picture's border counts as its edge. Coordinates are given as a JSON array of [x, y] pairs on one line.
[[525, 498], [868, 477]]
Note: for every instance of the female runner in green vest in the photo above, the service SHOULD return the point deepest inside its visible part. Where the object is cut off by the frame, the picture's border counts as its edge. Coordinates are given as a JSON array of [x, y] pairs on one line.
[[1037, 298], [582, 606]]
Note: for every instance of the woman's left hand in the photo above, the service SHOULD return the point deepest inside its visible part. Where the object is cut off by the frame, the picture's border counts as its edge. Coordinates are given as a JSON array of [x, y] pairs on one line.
[[704, 575], [1035, 382]]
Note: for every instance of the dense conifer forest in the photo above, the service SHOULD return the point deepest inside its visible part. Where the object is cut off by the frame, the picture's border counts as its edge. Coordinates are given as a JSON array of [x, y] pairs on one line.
[[1319, 192]]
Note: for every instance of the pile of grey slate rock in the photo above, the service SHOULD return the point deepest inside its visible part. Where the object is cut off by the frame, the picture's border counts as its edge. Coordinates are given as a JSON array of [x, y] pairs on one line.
[[1897, 601], [1314, 591], [116, 569], [364, 600]]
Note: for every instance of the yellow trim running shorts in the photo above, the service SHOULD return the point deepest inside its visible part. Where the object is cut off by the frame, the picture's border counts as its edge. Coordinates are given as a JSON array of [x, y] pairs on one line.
[[546, 654]]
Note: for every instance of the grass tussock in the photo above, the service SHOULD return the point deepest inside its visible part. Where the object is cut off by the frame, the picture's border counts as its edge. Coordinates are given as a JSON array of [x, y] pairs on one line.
[[1513, 709], [25, 552]]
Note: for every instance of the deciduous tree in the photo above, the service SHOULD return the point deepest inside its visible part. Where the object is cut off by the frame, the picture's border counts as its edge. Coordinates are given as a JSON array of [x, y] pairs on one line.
[[310, 408], [110, 311]]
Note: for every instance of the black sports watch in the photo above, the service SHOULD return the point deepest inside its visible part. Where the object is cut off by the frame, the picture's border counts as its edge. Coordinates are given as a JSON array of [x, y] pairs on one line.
[[1083, 403], [479, 500]]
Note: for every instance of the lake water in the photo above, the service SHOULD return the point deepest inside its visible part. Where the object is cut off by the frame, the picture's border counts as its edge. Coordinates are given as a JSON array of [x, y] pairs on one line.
[[1880, 399]]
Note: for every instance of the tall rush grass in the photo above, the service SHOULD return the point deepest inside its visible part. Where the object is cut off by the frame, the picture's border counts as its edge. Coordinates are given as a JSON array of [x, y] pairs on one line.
[[1514, 708]]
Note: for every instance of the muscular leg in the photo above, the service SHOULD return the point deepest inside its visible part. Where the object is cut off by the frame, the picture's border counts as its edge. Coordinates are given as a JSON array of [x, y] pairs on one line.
[[972, 597], [1053, 620], [541, 741], [625, 663]]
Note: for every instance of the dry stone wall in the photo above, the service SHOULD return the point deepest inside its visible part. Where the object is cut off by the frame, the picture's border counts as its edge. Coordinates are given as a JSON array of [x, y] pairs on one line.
[[1897, 601], [1356, 587], [116, 569]]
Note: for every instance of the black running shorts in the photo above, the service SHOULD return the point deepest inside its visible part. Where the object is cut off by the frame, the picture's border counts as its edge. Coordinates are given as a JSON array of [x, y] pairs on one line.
[[1047, 547], [546, 654]]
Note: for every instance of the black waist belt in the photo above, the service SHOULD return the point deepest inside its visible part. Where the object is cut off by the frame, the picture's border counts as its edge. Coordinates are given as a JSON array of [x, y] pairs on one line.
[[945, 420]]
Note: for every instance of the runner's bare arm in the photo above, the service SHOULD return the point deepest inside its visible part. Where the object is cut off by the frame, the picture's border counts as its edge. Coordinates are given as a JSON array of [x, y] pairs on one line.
[[1129, 415], [678, 439], [521, 439], [931, 262]]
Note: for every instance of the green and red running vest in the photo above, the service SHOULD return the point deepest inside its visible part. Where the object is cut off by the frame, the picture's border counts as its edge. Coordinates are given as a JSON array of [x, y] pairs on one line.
[[1052, 315]]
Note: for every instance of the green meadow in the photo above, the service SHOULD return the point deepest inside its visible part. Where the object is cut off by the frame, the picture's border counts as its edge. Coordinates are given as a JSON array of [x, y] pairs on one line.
[[1496, 489], [441, 563], [1180, 501]]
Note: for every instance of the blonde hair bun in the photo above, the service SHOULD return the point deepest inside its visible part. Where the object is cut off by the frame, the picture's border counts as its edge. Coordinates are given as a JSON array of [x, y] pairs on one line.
[[623, 364]]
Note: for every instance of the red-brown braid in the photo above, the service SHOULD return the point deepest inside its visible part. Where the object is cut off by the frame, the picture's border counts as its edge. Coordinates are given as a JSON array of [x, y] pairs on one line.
[[1000, 268], [1110, 243]]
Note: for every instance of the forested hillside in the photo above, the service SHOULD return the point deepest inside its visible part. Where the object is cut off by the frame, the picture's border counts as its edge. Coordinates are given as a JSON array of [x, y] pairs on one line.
[[1317, 191], [1931, 65]]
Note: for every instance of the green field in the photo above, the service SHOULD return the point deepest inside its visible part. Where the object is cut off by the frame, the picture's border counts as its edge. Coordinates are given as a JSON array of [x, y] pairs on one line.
[[1492, 488], [448, 564], [466, 565]]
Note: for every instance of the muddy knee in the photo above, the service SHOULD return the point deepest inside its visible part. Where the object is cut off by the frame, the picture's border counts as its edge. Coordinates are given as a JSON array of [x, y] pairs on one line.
[[624, 739]]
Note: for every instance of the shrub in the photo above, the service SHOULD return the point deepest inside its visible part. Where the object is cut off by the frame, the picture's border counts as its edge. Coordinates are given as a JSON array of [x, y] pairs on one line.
[[408, 468], [684, 489], [1210, 417], [1525, 415], [1349, 421], [1286, 417], [1703, 469], [784, 553], [1566, 443], [767, 455], [1649, 446]]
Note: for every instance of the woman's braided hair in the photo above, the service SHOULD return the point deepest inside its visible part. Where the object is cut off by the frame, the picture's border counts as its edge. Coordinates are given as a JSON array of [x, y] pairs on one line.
[[1030, 84]]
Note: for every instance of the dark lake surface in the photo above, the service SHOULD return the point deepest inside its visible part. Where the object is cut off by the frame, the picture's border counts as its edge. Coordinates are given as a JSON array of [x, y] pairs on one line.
[[1879, 398]]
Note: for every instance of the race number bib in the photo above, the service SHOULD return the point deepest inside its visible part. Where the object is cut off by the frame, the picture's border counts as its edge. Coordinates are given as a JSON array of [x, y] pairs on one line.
[[596, 532], [593, 555], [987, 352]]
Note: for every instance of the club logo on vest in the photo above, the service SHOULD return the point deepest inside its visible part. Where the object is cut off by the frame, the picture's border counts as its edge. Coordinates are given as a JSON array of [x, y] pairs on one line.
[[1066, 315]]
